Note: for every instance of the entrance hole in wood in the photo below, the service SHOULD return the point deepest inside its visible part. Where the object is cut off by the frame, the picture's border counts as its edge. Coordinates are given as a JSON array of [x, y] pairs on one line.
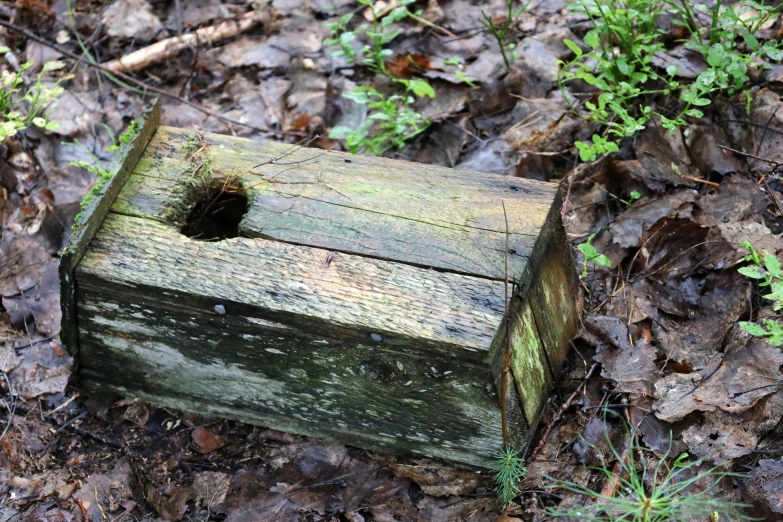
[[216, 214]]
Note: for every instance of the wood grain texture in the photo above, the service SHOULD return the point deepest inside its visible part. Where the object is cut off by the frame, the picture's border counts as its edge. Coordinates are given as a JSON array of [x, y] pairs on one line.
[[406, 212], [554, 294], [451, 311], [287, 378], [92, 216]]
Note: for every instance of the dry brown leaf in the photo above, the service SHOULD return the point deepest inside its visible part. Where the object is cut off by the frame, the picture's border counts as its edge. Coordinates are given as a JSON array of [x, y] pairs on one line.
[[438, 481]]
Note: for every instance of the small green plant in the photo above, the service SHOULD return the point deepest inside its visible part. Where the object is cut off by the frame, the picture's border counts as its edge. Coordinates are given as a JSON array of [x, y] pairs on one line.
[[591, 254], [391, 121], [509, 470], [652, 493], [618, 62], [501, 31], [94, 164], [23, 105], [126, 137], [373, 54], [765, 268]]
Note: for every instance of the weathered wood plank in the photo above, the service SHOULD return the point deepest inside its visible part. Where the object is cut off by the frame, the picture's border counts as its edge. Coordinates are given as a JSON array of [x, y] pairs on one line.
[[395, 300], [344, 229], [92, 217], [553, 294], [416, 214], [286, 378], [529, 366]]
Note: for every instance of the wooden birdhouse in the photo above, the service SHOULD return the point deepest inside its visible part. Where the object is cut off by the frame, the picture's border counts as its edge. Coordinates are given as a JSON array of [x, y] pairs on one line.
[[321, 293]]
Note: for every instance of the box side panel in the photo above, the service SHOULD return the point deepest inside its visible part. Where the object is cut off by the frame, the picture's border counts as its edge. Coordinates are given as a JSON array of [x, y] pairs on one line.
[[554, 295], [378, 354], [91, 218], [452, 313], [301, 381], [529, 365]]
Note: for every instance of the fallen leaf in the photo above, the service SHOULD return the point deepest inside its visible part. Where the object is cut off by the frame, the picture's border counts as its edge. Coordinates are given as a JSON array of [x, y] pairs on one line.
[[438, 481], [131, 19], [610, 329], [207, 441], [664, 155], [21, 260], [632, 368], [629, 226], [210, 487], [722, 436], [704, 142], [102, 493], [677, 393], [765, 484], [697, 341], [404, 65]]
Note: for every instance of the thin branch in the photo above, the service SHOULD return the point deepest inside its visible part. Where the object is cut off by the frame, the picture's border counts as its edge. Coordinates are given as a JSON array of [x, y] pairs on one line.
[[506, 359], [128, 78]]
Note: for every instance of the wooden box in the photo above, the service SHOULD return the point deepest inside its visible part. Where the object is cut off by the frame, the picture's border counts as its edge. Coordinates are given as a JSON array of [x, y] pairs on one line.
[[321, 293]]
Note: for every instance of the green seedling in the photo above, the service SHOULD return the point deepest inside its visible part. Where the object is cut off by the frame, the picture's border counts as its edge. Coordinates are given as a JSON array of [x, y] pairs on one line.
[[509, 470], [649, 489], [592, 255], [500, 31], [23, 104], [766, 270], [375, 53], [617, 61], [391, 121]]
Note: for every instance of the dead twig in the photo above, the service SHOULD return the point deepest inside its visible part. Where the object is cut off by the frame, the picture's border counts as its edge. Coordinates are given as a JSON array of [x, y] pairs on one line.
[[164, 49], [700, 180], [506, 359], [140, 84], [562, 410]]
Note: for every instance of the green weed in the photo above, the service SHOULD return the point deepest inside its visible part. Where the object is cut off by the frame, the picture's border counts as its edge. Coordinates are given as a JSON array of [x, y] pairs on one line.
[[501, 31], [391, 121], [618, 62], [649, 489], [509, 470], [22, 105], [591, 255], [765, 268], [94, 164]]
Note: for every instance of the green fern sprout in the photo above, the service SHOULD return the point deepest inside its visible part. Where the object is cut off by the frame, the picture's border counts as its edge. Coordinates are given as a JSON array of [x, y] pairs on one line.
[[675, 492], [509, 470]]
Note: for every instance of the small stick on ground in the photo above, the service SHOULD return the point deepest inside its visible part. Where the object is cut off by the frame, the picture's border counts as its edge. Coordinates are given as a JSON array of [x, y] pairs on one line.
[[165, 49], [562, 410], [140, 84]]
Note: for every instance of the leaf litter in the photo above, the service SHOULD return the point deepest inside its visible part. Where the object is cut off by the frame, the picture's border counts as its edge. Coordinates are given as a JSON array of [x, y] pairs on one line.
[[660, 322]]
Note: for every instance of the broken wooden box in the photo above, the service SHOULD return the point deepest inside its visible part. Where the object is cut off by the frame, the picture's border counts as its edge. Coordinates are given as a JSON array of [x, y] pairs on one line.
[[320, 293]]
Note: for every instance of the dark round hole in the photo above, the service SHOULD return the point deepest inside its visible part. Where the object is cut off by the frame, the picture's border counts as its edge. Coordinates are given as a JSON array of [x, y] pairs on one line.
[[216, 215]]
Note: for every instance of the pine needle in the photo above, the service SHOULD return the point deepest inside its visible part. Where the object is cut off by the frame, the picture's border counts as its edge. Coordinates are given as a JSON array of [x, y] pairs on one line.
[[509, 471]]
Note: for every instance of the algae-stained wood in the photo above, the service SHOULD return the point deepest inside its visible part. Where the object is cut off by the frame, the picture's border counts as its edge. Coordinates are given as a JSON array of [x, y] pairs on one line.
[[407, 212], [363, 298]]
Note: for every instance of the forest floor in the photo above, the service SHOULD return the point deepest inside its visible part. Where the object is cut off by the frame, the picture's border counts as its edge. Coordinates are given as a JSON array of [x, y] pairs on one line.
[[661, 321]]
